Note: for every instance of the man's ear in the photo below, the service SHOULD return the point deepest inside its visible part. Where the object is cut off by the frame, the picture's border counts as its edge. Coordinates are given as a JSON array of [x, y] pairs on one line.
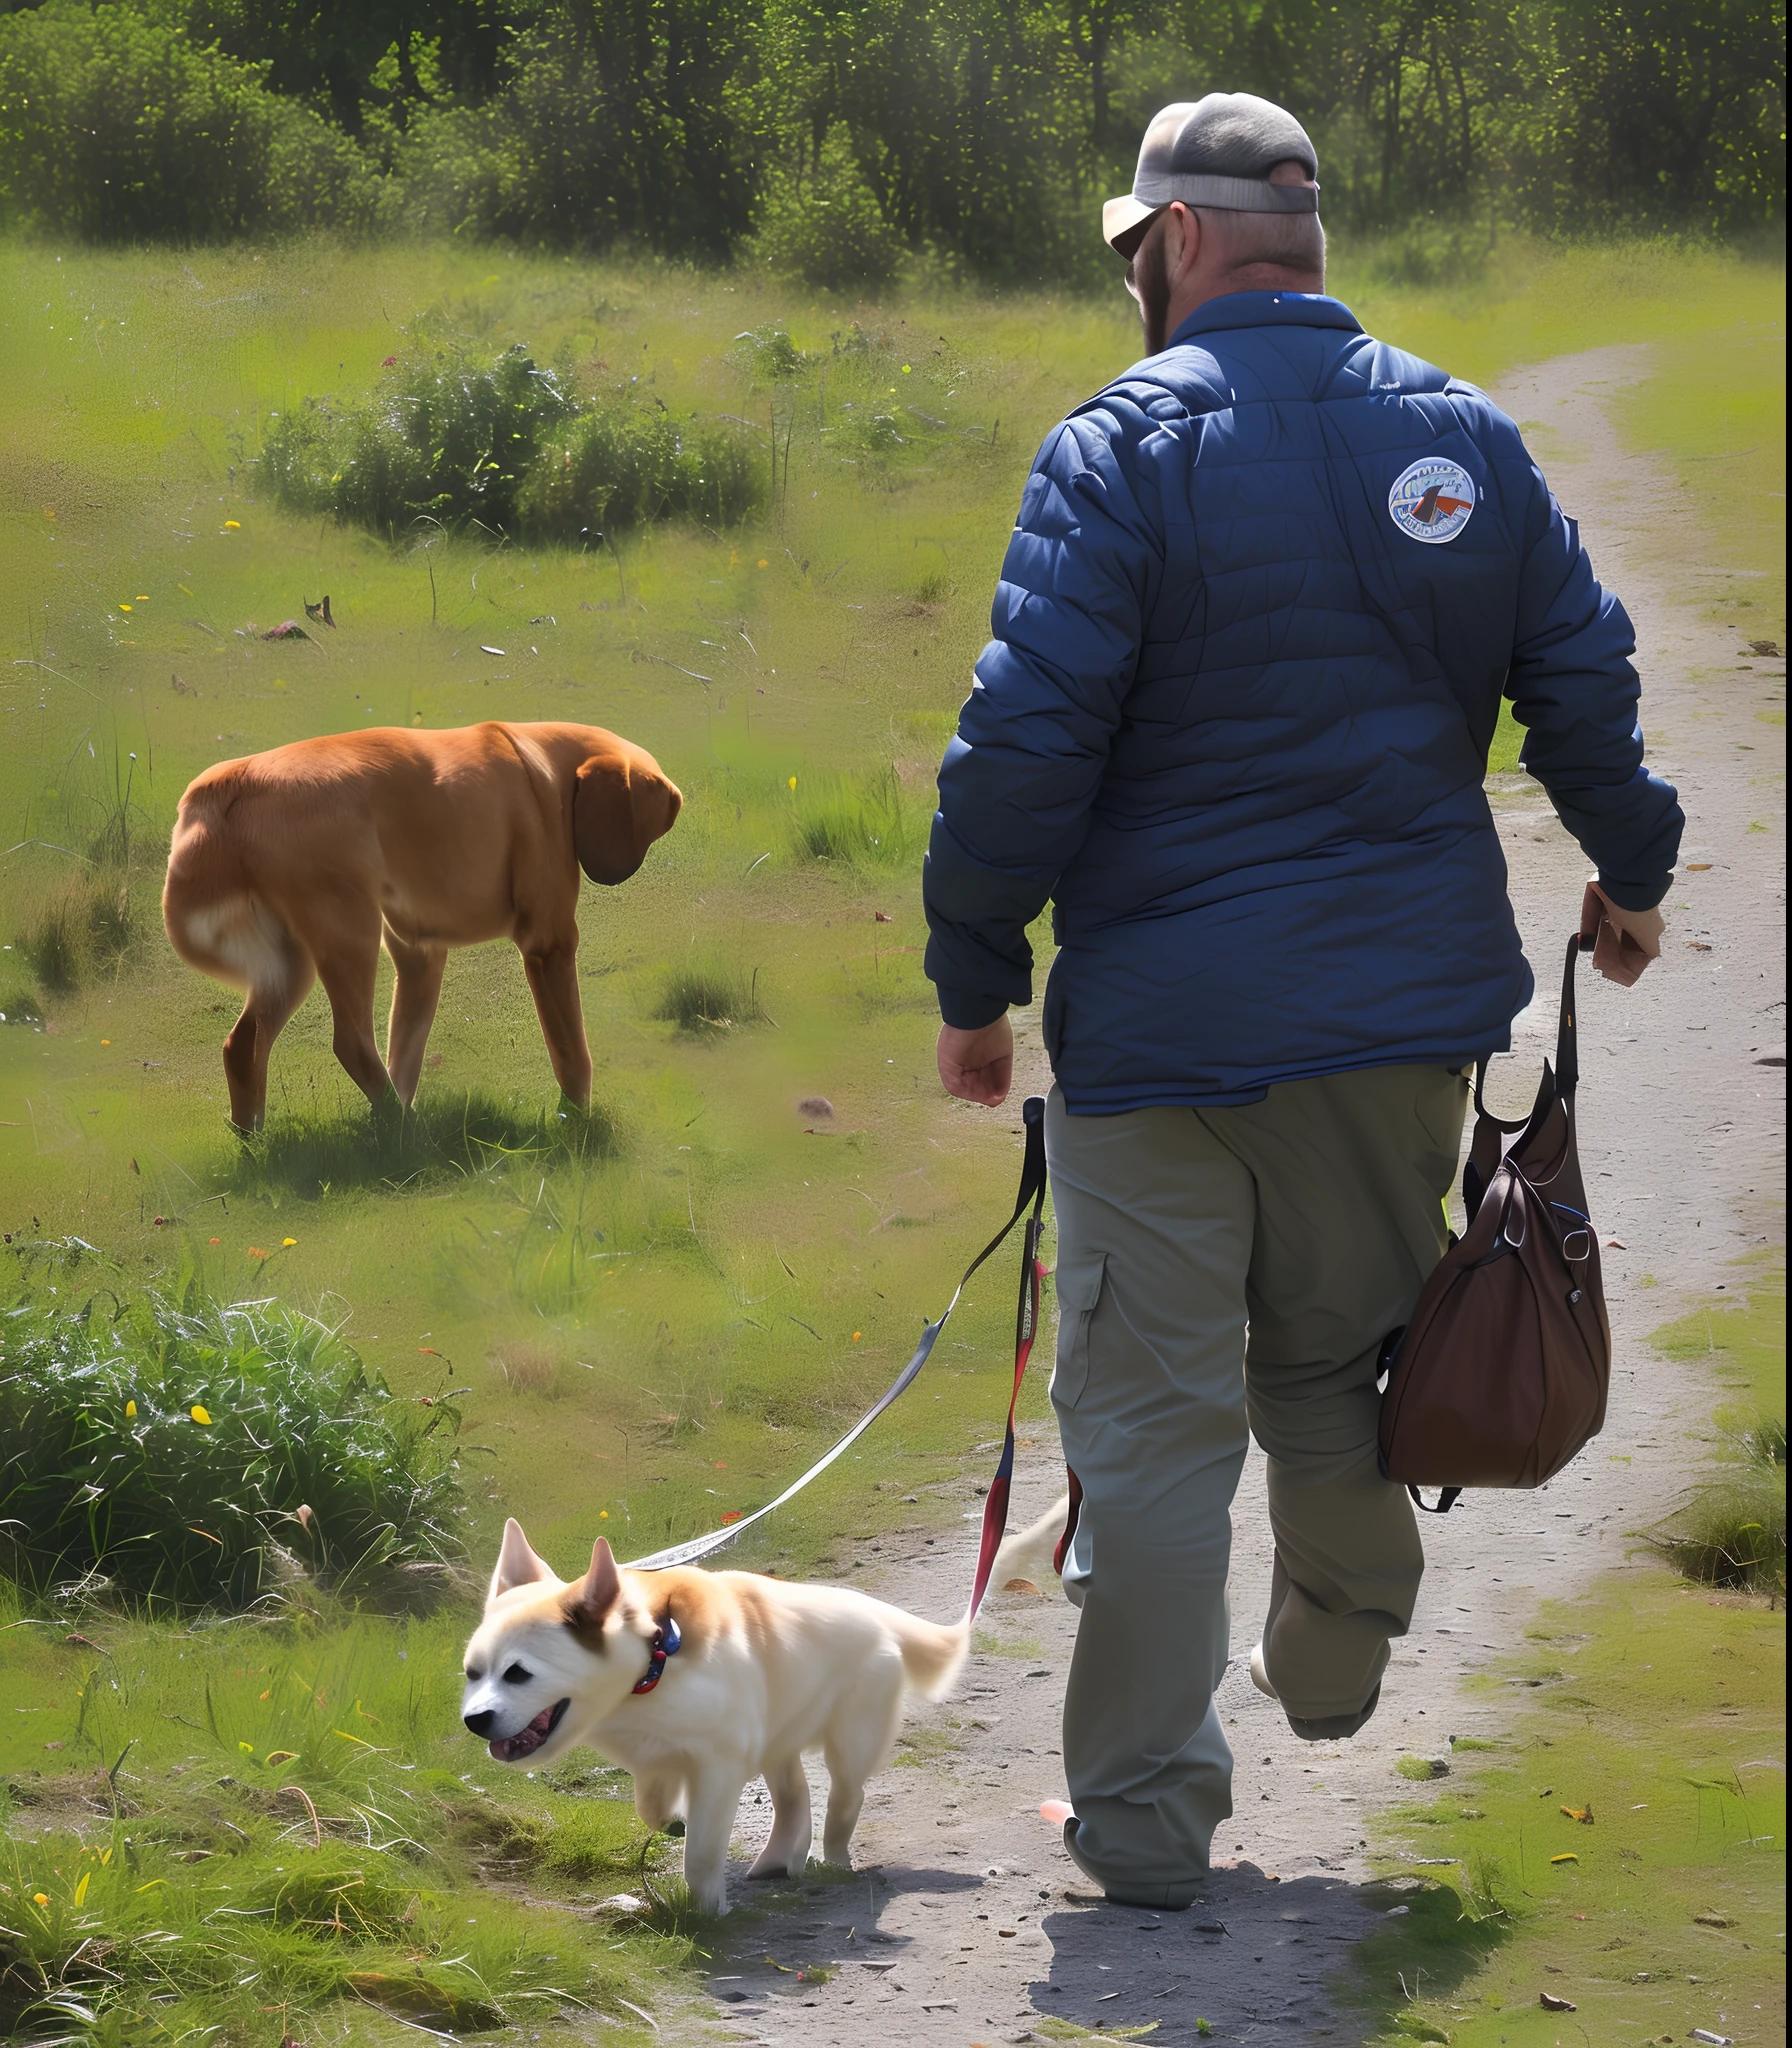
[[621, 803], [517, 1564], [596, 1593]]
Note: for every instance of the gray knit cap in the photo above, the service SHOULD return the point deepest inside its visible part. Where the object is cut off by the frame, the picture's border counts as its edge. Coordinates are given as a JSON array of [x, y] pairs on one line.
[[1218, 151]]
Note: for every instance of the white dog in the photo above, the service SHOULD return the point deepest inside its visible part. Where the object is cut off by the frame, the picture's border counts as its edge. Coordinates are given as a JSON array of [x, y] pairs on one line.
[[696, 1682]]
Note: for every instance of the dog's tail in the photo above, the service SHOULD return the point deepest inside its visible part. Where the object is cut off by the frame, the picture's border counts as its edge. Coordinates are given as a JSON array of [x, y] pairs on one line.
[[215, 918], [932, 1656], [1027, 1554]]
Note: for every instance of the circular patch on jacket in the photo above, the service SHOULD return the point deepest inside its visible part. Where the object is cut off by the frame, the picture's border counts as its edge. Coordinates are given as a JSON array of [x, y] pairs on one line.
[[1432, 500]]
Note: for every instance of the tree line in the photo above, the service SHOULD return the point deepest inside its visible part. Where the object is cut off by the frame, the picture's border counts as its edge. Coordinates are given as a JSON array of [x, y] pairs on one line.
[[847, 134]]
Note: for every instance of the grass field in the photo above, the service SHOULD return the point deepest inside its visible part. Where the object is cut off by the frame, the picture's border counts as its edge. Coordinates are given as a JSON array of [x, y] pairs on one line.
[[662, 1314], [1621, 1846]]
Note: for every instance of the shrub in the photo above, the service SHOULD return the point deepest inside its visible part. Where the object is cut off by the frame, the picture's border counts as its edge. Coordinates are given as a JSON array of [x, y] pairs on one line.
[[825, 225], [612, 127], [439, 438], [117, 127], [624, 464], [186, 1455], [507, 445]]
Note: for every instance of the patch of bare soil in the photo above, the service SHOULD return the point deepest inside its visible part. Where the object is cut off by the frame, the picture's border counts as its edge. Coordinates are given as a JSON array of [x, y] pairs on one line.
[[966, 1922]]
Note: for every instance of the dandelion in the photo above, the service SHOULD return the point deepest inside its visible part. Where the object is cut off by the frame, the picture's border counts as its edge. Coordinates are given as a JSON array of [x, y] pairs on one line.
[[40, 1898], [105, 1041], [286, 1242], [603, 1514], [233, 525], [905, 369], [792, 782], [763, 563], [200, 1415], [130, 1410]]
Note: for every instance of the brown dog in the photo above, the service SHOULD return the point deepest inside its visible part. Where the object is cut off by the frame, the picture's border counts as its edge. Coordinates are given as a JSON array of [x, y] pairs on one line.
[[298, 863]]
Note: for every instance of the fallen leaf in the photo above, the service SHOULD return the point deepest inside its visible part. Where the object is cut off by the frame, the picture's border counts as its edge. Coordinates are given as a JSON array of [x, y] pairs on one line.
[[1698, 867], [1551, 2003], [883, 917], [1699, 1919], [1697, 946], [1583, 1814], [288, 629]]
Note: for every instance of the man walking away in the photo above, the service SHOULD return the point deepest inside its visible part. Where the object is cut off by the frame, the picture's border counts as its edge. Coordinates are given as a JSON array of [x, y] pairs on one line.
[[1263, 599]]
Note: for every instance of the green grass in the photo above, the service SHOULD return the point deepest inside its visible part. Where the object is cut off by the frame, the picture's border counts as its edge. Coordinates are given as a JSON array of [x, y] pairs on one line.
[[1659, 1709], [203, 1828], [666, 1309], [180, 1455]]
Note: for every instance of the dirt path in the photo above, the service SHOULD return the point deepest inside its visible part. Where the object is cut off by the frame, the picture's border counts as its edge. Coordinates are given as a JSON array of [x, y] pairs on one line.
[[968, 1923]]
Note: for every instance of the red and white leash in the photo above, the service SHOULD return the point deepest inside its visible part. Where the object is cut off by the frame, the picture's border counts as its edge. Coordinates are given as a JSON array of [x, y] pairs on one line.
[[1026, 1325]]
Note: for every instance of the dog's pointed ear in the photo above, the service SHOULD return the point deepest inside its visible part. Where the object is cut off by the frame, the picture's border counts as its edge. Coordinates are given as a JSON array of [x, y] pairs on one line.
[[621, 803], [596, 1593], [517, 1564]]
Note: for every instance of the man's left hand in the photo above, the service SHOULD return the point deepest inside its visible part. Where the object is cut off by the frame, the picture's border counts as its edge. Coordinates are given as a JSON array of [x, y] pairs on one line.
[[977, 1066], [1625, 941]]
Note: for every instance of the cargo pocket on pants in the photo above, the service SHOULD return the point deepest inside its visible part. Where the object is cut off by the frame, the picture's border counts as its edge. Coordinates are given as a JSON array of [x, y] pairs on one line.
[[1079, 1289]]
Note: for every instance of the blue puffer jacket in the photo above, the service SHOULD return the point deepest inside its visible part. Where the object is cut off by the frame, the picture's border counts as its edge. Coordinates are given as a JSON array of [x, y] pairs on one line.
[[1235, 717]]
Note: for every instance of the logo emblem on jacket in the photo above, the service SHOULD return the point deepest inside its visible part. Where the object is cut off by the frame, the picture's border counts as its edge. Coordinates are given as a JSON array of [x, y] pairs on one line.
[[1432, 500]]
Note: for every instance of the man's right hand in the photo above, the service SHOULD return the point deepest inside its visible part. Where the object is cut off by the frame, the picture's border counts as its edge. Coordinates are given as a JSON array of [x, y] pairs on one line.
[[1624, 941], [977, 1066]]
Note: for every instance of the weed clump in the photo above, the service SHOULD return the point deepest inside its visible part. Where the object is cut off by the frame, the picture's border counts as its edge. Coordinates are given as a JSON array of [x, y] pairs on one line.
[[195, 1455], [710, 999], [505, 445], [859, 821], [1731, 1530], [84, 925]]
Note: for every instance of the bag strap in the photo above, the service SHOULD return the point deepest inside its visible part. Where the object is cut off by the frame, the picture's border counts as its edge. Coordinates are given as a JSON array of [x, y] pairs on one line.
[[1447, 1498], [1486, 1150], [1567, 1038]]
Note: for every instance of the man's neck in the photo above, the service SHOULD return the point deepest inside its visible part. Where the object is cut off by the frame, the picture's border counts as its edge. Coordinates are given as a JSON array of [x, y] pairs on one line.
[[1198, 290]]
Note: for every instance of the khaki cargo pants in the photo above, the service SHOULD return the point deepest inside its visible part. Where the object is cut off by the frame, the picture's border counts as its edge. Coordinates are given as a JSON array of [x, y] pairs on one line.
[[1217, 1267]]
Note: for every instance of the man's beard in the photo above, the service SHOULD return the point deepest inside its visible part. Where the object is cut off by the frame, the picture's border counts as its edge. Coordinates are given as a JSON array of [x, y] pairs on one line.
[[1151, 286]]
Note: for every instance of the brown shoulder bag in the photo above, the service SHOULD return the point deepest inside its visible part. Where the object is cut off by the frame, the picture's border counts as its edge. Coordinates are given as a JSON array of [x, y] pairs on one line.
[[1502, 1374]]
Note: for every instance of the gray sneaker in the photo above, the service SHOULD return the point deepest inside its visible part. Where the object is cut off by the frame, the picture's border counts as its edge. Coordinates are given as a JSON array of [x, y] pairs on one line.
[[1330, 1727], [1161, 1898]]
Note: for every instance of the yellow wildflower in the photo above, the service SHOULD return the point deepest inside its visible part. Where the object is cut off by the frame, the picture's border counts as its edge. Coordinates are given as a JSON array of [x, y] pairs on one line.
[[40, 1898], [130, 1409], [233, 525], [285, 1241], [124, 607], [200, 1415], [793, 782]]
